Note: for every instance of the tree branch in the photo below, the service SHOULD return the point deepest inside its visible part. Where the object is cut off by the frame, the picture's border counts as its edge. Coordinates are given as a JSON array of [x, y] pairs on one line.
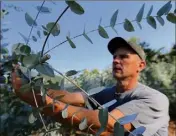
[[52, 29], [88, 33]]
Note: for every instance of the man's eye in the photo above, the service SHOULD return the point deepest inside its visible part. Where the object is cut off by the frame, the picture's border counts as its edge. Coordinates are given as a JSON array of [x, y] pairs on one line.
[[123, 56]]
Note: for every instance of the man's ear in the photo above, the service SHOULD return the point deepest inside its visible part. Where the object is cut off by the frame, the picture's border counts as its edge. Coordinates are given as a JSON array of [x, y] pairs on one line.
[[142, 65]]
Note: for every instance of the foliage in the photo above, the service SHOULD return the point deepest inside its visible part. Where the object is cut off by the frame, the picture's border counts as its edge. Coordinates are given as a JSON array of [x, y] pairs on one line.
[[44, 74]]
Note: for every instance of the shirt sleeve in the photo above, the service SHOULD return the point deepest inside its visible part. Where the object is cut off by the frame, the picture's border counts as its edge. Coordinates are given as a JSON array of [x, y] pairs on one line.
[[152, 113]]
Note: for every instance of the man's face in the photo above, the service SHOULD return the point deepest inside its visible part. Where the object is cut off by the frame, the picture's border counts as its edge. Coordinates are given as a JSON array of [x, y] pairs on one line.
[[126, 63]]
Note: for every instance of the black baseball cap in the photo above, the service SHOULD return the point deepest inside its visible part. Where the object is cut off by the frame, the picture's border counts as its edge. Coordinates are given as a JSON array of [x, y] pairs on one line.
[[117, 42]]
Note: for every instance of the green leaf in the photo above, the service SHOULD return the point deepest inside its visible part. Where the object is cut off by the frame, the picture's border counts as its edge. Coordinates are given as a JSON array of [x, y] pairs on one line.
[[25, 49], [114, 18], [70, 42], [102, 32], [30, 20], [71, 72], [171, 17], [150, 11], [118, 130], [38, 33], [75, 7], [128, 26], [160, 20], [55, 31], [4, 51], [43, 9], [168, 10], [140, 14], [65, 112], [45, 69], [103, 117], [83, 125], [139, 25], [45, 33], [151, 21], [34, 38], [164, 9], [30, 60], [32, 118], [85, 35]]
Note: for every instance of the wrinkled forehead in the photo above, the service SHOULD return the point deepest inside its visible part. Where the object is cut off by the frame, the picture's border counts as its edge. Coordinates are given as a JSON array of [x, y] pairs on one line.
[[124, 50]]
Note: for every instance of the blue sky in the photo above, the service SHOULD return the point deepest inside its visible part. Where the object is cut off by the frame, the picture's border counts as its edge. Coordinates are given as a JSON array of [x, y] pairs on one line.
[[86, 55]]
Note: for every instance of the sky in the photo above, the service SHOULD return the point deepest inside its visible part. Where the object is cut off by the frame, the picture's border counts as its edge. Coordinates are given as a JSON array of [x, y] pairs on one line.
[[85, 55]]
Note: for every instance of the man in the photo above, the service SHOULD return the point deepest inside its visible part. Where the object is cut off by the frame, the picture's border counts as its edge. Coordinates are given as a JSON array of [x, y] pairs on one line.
[[128, 94]]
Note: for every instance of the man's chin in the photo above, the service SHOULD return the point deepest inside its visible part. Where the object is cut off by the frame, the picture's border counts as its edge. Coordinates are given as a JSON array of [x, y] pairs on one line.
[[118, 76]]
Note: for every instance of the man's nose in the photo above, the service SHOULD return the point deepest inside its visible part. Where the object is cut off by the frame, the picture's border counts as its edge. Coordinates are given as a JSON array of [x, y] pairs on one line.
[[116, 60]]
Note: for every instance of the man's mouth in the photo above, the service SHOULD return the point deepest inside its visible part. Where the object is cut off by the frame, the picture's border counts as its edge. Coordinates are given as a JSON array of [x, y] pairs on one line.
[[117, 69]]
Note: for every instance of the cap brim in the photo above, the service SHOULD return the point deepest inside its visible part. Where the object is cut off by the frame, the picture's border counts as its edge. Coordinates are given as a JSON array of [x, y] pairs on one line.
[[115, 43]]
